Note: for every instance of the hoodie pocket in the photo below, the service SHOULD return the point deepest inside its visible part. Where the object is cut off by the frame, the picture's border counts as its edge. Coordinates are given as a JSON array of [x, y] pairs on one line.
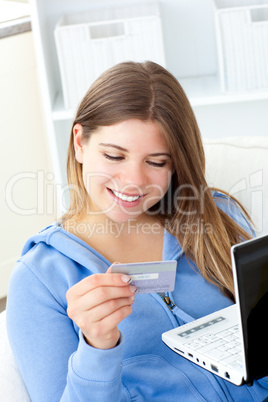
[[152, 378]]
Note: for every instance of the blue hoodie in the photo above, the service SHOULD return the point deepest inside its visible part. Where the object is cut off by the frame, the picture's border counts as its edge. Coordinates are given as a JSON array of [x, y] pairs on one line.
[[56, 363]]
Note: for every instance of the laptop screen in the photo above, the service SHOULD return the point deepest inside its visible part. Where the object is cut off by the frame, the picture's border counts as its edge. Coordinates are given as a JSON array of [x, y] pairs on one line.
[[251, 260]]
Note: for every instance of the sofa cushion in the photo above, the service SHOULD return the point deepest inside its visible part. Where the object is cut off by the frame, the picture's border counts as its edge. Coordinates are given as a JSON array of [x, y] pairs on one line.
[[11, 384], [239, 165]]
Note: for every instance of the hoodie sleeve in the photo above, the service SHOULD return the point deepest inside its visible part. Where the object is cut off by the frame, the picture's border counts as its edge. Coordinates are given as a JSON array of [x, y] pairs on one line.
[[56, 364], [98, 372]]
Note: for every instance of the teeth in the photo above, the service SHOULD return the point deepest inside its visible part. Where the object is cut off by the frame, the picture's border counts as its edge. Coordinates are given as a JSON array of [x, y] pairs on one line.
[[125, 197]]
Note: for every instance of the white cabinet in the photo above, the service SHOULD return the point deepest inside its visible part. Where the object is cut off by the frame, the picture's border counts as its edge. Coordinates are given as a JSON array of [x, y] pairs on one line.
[[191, 55]]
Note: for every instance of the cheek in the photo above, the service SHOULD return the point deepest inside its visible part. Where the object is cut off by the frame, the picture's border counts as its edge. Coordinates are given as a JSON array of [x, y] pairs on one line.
[[158, 188], [96, 174], [95, 182], [162, 181]]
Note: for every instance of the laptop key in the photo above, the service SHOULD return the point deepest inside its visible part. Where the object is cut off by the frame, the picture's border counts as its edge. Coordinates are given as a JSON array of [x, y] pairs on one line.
[[193, 345], [231, 361], [217, 354], [226, 346]]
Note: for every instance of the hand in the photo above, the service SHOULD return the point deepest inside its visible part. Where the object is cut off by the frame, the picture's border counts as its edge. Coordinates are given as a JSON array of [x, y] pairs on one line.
[[97, 304]]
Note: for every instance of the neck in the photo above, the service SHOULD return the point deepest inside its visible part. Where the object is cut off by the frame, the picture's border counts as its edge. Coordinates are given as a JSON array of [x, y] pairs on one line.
[[88, 225]]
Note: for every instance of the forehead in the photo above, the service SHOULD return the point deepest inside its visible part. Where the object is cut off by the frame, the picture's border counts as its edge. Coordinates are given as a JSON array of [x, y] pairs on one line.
[[133, 133]]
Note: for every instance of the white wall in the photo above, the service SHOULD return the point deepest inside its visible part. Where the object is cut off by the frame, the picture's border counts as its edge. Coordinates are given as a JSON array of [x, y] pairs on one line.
[[25, 167]]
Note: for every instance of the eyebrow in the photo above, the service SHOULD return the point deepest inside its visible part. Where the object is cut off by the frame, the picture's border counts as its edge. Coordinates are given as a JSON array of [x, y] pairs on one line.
[[125, 150], [114, 146]]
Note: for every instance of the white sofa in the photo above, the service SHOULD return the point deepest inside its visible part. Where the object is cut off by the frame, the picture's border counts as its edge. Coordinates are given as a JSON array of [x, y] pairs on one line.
[[237, 165], [12, 388]]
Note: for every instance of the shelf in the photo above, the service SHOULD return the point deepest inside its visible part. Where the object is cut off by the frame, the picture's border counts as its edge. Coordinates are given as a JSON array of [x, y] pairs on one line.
[[191, 55], [201, 91], [59, 112], [204, 91]]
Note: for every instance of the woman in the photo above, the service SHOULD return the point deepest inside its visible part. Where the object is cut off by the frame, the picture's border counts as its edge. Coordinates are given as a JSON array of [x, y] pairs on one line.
[[138, 193]]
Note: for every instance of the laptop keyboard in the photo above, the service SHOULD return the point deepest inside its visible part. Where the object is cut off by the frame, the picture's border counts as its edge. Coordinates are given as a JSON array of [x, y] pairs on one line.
[[223, 346]]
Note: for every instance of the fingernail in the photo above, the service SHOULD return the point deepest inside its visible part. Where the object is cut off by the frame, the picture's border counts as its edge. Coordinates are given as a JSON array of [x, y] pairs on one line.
[[133, 289], [132, 299], [126, 278]]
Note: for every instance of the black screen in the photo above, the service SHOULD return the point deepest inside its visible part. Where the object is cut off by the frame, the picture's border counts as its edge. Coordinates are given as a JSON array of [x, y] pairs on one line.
[[251, 261]]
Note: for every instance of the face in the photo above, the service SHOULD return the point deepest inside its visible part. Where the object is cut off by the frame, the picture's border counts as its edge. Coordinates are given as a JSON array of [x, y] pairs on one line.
[[127, 168]]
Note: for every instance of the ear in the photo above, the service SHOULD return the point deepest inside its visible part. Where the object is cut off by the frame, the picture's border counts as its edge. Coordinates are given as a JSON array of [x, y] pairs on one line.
[[78, 139]]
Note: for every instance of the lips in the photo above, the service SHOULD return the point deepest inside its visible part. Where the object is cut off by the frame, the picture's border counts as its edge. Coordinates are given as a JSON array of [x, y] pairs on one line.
[[125, 197]]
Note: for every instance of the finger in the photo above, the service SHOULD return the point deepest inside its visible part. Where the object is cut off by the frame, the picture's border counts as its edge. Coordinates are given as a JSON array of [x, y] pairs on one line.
[[126, 278], [100, 295], [113, 320], [105, 309], [110, 267], [99, 280], [104, 333], [108, 324]]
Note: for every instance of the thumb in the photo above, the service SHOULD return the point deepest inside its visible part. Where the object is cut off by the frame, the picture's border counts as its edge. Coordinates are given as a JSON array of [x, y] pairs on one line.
[[109, 269]]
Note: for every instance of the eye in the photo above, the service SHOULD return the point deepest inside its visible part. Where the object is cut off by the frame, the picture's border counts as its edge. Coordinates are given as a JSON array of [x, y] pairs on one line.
[[157, 164], [113, 158]]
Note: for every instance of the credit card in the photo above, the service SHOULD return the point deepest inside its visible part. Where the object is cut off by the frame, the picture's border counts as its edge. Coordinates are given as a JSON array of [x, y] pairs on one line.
[[150, 277]]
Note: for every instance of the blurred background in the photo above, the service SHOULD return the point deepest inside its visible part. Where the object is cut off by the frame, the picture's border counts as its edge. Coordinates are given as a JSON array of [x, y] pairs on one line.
[[51, 51], [23, 140]]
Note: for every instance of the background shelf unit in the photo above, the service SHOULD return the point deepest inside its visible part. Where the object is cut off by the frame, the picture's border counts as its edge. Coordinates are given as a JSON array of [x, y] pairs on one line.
[[191, 55]]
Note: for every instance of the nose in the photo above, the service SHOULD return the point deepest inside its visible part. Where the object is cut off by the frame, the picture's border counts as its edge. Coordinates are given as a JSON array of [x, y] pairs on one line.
[[134, 174]]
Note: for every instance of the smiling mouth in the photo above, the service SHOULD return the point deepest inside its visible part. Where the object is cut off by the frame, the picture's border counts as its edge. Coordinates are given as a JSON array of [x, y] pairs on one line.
[[124, 197]]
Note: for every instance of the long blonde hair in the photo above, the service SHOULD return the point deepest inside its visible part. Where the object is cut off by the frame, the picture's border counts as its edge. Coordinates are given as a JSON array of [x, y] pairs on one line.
[[148, 92]]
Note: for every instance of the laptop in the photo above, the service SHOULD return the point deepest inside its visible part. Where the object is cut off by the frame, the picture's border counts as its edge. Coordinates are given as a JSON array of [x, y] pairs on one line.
[[233, 342]]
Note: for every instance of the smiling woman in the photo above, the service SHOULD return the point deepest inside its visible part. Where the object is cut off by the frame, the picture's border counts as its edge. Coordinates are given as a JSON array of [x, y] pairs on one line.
[[138, 193], [128, 176], [143, 107]]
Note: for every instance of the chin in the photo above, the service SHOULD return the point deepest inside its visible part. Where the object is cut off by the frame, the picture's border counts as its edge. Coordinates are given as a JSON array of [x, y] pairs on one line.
[[122, 218]]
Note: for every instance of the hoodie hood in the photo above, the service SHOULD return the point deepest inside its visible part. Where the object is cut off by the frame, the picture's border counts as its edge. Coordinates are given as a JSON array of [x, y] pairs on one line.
[[76, 249], [68, 245]]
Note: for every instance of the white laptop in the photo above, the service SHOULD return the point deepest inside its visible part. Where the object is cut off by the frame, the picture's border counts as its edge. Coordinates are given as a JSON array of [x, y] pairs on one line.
[[233, 342]]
